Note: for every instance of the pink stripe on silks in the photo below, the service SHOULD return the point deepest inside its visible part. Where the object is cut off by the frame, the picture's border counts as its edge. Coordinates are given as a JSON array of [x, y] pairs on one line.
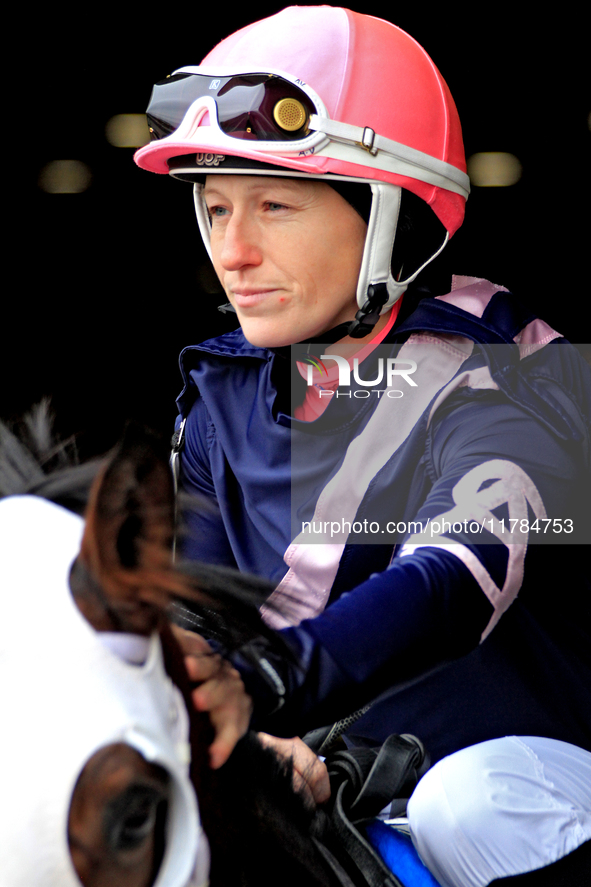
[[471, 294], [475, 502], [476, 567], [501, 599], [304, 590], [534, 336]]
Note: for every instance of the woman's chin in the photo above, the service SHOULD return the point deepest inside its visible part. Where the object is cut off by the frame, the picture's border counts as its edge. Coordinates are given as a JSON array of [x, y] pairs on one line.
[[272, 333]]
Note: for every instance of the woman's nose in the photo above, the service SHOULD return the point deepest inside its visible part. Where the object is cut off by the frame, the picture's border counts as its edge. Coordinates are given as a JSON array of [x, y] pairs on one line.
[[240, 245]]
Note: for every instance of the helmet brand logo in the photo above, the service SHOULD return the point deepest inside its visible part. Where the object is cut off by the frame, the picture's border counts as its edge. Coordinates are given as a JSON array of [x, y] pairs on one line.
[[215, 84], [209, 159]]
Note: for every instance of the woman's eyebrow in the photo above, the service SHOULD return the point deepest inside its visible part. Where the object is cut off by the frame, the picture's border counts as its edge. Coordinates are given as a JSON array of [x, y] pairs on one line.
[[266, 183]]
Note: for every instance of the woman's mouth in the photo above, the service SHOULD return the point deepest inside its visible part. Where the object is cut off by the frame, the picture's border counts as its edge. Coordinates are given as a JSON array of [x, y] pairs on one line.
[[249, 298]]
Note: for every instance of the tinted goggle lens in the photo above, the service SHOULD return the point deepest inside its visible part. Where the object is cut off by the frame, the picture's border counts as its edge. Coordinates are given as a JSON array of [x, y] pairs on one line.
[[263, 107]]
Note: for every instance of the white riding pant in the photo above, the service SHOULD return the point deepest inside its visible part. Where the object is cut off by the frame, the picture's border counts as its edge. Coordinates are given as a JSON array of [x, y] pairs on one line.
[[500, 808]]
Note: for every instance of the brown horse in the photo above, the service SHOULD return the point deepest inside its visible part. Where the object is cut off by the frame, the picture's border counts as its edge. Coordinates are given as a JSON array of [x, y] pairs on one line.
[[126, 814]]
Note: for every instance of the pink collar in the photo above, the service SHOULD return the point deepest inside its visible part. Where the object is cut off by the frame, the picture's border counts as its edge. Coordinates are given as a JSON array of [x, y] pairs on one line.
[[314, 405]]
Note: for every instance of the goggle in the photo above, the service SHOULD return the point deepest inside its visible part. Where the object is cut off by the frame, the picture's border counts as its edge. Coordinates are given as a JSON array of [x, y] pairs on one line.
[[261, 107]]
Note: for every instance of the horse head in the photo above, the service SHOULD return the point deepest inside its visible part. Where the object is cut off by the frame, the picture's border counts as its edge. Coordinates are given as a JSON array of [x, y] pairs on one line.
[[104, 757], [96, 786]]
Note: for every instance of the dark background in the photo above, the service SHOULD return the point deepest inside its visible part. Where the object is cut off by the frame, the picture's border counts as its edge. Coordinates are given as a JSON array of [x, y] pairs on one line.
[[103, 288]]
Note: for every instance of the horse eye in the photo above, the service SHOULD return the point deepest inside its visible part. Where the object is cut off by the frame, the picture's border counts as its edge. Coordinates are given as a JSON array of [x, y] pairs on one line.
[[137, 826], [132, 817]]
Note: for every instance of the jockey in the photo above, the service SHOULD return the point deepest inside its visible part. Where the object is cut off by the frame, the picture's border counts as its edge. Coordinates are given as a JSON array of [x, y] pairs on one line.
[[395, 461]]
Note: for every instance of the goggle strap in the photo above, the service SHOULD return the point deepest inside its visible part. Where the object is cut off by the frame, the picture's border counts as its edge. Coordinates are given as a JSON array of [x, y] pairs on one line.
[[433, 170]]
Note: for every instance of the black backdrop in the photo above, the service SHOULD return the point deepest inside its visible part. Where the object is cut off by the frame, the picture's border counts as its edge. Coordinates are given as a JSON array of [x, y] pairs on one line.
[[102, 289]]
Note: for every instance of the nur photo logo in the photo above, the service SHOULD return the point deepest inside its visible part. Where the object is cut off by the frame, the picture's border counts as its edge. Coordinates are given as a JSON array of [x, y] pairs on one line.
[[388, 371]]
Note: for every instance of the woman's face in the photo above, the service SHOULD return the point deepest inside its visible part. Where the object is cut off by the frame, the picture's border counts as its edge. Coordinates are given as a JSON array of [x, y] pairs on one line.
[[288, 254]]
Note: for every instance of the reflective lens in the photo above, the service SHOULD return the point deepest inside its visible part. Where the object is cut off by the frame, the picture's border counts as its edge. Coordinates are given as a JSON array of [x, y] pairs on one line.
[[263, 107]]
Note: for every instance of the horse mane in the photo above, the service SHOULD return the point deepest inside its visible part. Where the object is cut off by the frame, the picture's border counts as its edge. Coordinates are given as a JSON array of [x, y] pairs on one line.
[[34, 462]]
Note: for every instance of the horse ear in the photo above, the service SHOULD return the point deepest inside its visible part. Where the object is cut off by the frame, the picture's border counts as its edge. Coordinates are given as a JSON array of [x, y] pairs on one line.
[[126, 548], [133, 500]]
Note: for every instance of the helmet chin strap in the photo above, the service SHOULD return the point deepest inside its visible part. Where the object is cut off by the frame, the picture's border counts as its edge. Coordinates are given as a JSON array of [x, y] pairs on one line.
[[377, 290], [376, 283], [369, 314]]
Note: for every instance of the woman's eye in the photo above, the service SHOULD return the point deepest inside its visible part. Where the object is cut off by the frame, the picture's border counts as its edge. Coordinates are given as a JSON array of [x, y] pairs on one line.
[[216, 212]]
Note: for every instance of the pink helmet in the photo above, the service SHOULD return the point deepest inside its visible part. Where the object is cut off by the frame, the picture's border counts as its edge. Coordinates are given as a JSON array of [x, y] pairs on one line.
[[321, 92]]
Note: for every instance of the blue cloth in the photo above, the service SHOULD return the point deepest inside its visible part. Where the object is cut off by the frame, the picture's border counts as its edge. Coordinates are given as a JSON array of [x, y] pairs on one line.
[[399, 854]]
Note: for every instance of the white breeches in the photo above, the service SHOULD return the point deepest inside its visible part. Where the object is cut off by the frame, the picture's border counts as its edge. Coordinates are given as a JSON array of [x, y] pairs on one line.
[[501, 808]]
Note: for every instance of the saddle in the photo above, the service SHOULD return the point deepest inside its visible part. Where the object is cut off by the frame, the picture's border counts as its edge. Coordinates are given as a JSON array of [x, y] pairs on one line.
[[362, 850]]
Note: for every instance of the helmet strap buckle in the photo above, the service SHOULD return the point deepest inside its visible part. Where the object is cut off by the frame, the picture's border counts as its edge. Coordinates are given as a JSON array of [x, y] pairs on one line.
[[367, 140], [368, 315]]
